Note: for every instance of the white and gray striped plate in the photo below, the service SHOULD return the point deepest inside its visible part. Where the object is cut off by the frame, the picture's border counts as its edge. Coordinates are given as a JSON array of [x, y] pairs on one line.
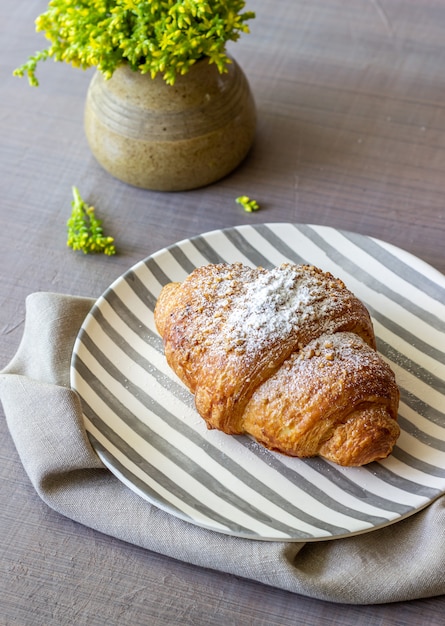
[[142, 423]]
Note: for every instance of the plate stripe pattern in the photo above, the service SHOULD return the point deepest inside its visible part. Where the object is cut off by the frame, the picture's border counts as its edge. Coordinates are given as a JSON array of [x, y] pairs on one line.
[[142, 423]]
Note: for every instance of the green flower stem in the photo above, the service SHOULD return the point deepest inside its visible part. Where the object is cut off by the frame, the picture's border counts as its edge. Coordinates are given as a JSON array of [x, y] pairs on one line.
[[84, 230]]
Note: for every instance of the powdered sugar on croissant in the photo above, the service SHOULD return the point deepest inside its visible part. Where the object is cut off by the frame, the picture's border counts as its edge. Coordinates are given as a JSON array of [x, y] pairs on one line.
[[286, 355]]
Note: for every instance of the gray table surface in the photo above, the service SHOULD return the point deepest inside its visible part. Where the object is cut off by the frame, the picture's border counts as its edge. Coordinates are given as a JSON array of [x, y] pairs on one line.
[[351, 134]]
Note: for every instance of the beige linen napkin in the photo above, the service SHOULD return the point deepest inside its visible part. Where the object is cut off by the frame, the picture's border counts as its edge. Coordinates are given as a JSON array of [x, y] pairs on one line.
[[400, 562]]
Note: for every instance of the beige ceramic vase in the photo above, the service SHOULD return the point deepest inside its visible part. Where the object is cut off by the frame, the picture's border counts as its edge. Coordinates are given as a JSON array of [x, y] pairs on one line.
[[170, 138]]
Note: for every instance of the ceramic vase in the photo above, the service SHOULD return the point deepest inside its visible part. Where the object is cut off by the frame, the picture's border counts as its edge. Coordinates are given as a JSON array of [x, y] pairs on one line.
[[170, 137]]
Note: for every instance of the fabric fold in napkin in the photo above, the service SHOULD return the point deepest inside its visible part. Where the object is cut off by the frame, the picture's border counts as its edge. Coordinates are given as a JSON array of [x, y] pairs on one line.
[[403, 561]]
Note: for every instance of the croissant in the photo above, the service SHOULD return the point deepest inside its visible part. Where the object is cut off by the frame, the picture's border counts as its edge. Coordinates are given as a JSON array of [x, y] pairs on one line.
[[286, 355]]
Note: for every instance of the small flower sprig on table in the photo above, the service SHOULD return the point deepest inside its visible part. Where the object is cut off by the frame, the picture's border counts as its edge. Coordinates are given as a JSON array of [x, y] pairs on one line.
[[248, 205], [85, 230]]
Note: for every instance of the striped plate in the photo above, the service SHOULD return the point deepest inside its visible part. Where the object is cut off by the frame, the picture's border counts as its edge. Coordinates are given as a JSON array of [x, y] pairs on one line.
[[142, 423]]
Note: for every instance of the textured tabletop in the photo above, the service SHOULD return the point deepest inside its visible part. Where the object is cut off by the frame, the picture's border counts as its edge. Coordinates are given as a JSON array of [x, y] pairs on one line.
[[351, 135]]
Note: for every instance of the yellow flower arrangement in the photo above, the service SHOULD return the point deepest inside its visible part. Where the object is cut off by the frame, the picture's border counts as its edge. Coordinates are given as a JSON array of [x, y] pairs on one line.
[[153, 36]]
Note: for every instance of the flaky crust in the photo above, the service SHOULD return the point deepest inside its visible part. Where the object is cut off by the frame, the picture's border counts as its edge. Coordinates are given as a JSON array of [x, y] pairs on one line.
[[286, 355]]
